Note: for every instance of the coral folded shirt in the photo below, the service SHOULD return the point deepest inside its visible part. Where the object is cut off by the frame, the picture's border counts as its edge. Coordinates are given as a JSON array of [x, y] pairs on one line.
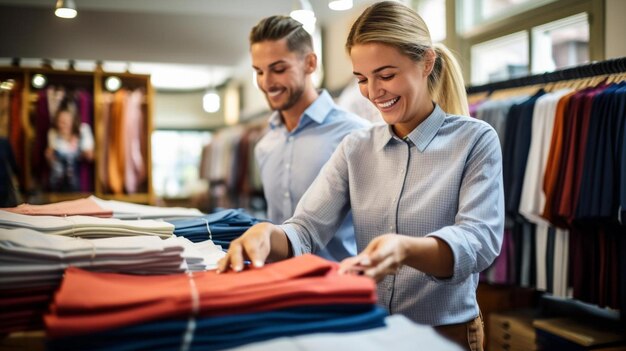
[[89, 302], [78, 207]]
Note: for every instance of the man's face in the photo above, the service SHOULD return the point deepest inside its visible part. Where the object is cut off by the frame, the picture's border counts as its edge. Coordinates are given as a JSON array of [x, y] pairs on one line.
[[280, 73]]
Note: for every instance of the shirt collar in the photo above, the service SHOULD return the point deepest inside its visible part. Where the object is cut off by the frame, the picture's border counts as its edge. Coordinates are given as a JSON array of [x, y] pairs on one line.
[[317, 112], [422, 135]]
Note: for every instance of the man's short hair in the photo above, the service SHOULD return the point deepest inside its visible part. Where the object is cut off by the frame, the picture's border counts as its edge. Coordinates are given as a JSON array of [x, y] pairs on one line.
[[275, 28]]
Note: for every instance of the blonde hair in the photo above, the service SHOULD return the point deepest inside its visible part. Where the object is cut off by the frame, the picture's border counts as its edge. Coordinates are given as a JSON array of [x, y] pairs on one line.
[[394, 24]]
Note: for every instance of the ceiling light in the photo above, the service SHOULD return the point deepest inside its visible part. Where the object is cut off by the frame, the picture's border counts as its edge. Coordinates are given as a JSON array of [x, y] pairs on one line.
[[39, 81], [303, 13], [211, 101], [65, 9], [7, 85], [113, 83], [340, 5], [167, 76]]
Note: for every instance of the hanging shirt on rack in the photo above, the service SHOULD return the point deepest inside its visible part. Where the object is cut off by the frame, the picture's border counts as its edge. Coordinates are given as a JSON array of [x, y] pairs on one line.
[[598, 185], [533, 198], [290, 161], [117, 155], [516, 147], [134, 168]]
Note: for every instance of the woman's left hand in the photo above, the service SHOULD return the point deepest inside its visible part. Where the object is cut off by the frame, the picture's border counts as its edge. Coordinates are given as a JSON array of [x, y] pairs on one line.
[[383, 256]]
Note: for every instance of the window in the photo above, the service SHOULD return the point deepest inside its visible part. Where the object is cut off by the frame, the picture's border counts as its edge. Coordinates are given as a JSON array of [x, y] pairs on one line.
[[560, 44], [176, 161], [500, 59], [550, 36], [473, 13], [434, 14]]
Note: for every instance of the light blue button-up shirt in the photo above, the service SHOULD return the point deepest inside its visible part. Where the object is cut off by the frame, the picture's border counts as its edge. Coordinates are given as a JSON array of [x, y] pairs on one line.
[[290, 161], [445, 182]]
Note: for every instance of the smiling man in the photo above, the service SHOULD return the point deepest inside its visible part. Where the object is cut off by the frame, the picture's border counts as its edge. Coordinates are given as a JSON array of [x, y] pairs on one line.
[[304, 129]]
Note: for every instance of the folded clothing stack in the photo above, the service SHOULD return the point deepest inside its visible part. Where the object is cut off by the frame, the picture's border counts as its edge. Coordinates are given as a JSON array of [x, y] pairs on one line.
[[86, 226], [207, 310], [220, 227], [32, 265]]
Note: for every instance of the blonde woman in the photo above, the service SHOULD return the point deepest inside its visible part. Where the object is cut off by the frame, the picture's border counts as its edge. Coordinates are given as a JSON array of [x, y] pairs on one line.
[[425, 190]]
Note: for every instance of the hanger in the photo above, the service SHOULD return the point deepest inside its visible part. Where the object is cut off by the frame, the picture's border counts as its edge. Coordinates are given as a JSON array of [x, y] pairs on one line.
[[516, 91], [616, 78], [477, 97]]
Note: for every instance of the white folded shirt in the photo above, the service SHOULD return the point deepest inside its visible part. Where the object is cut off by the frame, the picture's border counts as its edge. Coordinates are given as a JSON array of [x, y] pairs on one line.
[[200, 256], [86, 226], [31, 258], [126, 210]]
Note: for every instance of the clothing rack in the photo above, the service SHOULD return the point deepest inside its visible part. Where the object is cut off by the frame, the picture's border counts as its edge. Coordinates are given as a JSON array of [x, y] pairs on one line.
[[612, 66], [553, 127]]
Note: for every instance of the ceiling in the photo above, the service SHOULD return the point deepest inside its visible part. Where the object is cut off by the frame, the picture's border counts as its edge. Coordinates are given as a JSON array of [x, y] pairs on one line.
[[191, 38]]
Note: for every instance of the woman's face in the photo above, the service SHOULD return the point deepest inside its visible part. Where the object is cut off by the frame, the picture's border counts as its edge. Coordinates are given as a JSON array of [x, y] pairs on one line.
[[64, 123], [394, 83]]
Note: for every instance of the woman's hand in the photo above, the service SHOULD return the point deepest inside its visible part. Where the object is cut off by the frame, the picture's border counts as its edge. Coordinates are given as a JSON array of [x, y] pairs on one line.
[[49, 154], [387, 253], [257, 244], [383, 256], [87, 155]]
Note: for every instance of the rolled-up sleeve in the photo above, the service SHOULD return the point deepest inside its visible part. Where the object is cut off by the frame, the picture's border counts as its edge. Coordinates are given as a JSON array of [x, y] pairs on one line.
[[476, 236]]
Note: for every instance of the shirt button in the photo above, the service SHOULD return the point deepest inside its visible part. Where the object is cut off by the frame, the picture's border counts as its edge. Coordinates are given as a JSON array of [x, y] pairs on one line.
[[290, 139], [287, 165], [390, 227], [287, 194], [401, 170]]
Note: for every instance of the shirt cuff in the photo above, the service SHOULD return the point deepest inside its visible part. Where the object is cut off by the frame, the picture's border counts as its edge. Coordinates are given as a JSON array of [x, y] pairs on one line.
[[463, 262], [294, 239]]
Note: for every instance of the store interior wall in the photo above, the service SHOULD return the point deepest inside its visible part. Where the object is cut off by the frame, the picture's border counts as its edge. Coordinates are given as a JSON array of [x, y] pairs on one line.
[[183, 110], [615, 45], [337, 62]]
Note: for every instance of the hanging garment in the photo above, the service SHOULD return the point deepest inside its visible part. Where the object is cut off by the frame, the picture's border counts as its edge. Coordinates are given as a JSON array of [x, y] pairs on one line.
[[516, 147], [9, 194], [599, 182], [134, 166], [84, 103], [103, 134], [39, 165], [17, 133], [117, 156], [554, 158]]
